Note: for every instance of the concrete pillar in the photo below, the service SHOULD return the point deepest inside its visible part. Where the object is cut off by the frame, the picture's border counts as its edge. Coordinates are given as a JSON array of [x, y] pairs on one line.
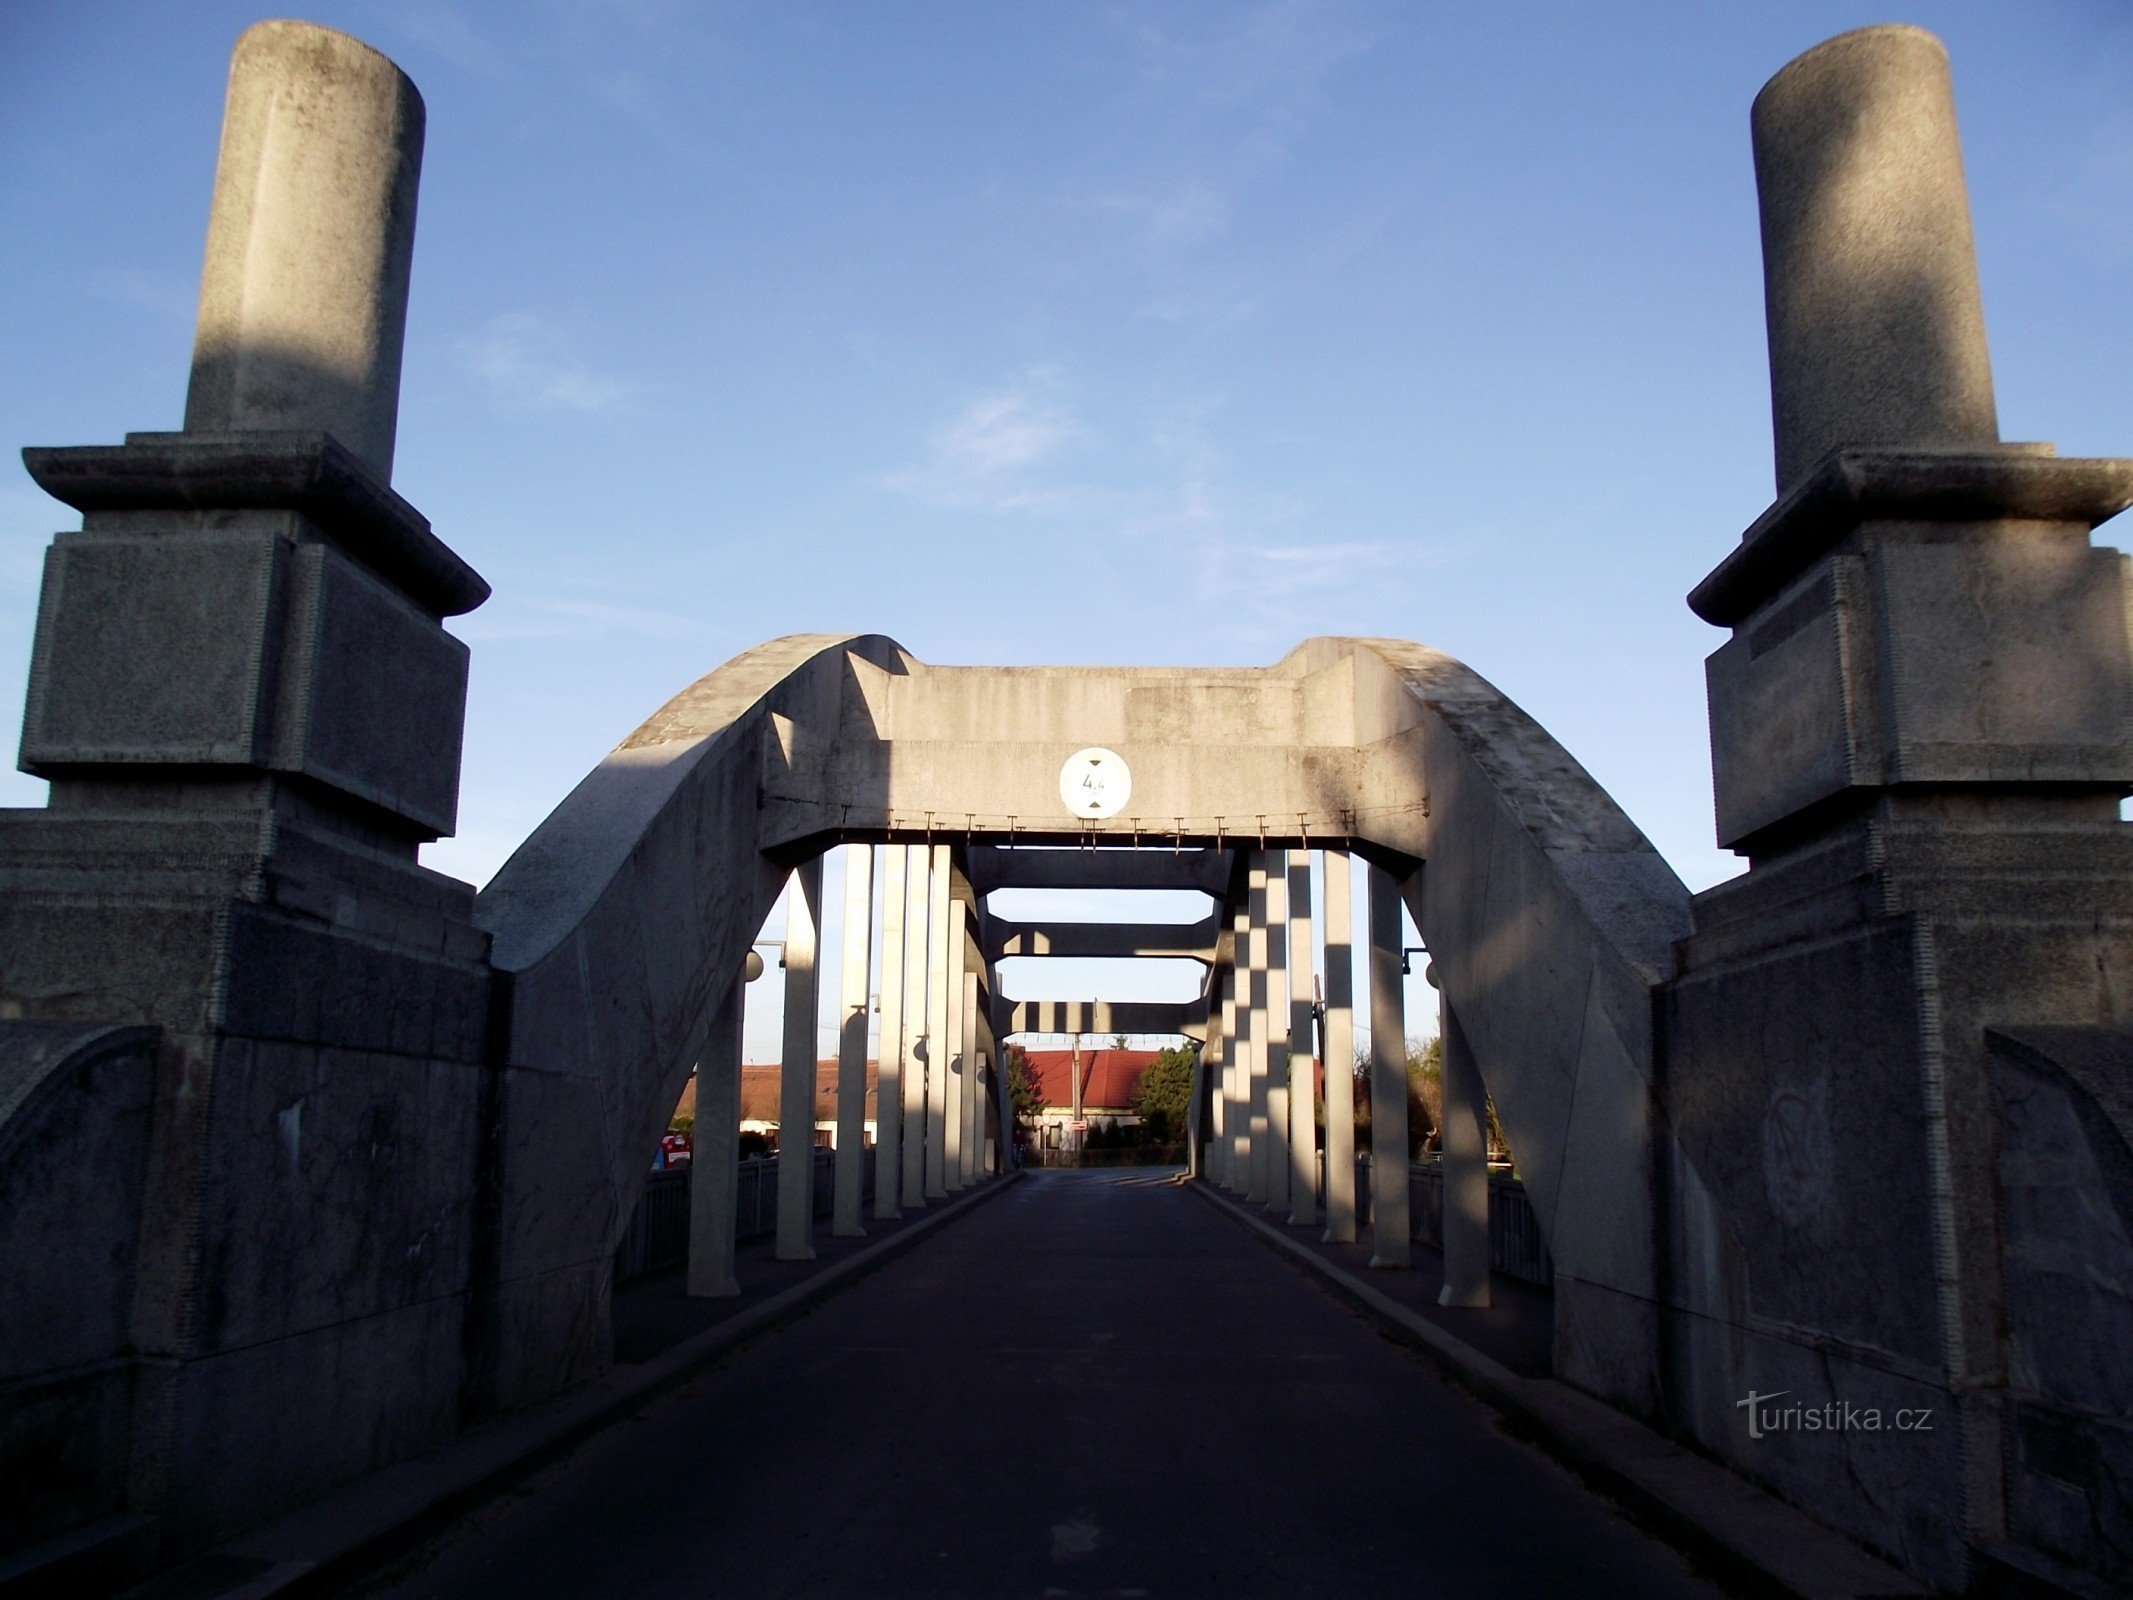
[[973, 1081], [1391, 1227], [939, 964], [888, 1087], [1275, 1054], [853, 1017], [1465, 1143], [955, 1057], [796, 1080], [1255, 1081], [1238, 1063], [918, 935], [1877, 329], [303, 294], [714, 1166], [1214, 1066], [1303, 1049], [1339, 1037]]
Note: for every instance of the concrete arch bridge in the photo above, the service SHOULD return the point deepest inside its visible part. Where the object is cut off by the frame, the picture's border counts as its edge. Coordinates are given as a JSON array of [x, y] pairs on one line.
[[314, 1163]]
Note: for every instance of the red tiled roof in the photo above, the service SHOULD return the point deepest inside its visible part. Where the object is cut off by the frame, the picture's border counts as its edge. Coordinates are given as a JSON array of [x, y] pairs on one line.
[[1108, 1077], [760, 1090]]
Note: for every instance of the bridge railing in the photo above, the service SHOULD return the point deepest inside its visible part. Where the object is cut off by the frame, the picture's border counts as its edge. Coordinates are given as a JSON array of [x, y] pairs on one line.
[[1516, 1248], [658, 1234]]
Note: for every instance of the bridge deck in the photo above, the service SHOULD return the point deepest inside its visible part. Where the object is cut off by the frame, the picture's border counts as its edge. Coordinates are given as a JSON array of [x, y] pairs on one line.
[[1095, 1384]]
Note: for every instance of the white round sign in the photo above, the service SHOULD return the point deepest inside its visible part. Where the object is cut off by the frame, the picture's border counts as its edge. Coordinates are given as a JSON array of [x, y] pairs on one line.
[[1095, 784]]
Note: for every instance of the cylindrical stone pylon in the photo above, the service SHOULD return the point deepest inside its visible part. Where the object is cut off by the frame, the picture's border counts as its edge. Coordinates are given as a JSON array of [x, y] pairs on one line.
[[1877, 329], [303, 295]]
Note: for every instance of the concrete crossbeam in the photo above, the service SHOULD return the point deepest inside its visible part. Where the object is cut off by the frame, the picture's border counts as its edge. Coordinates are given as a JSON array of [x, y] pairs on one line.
[[1196, 940], [992, 867], [1108, 1017]]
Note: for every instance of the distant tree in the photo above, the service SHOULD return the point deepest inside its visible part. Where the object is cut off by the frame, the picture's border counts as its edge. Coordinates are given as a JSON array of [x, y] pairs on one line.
[[1022, 1088], [1164, 1094], [1118, 1041]]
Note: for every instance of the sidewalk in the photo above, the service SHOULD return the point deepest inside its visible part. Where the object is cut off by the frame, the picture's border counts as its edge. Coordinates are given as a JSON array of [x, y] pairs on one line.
[[1517, 1330]]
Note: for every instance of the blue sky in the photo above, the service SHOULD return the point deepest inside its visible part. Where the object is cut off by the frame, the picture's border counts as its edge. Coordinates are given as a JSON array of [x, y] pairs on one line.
[[1170, 333]]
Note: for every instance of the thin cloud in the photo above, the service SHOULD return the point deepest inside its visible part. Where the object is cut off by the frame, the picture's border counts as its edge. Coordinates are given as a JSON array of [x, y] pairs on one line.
[[445, 32], [992, 456], [162, 295], [521, 361]]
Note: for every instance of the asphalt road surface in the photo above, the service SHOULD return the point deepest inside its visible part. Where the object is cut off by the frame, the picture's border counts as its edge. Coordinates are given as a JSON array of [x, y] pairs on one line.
[[1094, 1384]]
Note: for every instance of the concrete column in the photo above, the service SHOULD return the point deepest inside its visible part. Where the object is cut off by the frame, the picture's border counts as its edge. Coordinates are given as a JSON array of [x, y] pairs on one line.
[[918, 936], [888, 1087], [1391, 1227], [1303, 1049], [1255, 1082], [1237, 1068], [973, 1082], [955, 1057], [940, 963], [1339, 1035], [714, 1167], [303, 295], [1275, 1056], [1214, 1067], [1465, 1144], [796, 1082], [1877, 329], [853, 1017]]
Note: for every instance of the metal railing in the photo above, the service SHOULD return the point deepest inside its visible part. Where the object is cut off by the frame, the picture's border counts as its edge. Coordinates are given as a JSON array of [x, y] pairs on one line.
[[658, 1232], [1516, 1248]]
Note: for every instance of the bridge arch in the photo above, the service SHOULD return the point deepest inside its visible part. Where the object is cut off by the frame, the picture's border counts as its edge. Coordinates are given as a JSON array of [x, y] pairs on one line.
[[618, 924]]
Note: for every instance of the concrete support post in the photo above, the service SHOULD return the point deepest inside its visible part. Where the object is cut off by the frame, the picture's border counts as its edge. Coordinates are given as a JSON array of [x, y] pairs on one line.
[[889, 1080], [715, 1168], [303, 295], [1237, 1065], [973, 1083], [1466, 1168], [1255, 1080], [1275, 1056], [955, 1053], [940, 964], [853, 1017], [1303, 1049], [1339, 1037], [796, 1082], [1877, 329], [1210, 1149], [1391, 1227], [918, 935]]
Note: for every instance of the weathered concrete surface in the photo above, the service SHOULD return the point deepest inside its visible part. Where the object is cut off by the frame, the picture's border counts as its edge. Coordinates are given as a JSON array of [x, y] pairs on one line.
[[1877, 329], [1920, 738], [303, 297], [66, 1370], [1115, 1298]]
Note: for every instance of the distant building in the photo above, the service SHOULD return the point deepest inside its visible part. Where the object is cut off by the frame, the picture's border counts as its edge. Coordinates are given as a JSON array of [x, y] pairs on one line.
[[761, 1088], [1107, 1080]]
